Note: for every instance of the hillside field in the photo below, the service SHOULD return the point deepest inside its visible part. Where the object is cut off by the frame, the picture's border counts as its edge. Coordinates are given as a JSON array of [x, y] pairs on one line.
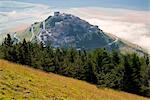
[[22, 83]]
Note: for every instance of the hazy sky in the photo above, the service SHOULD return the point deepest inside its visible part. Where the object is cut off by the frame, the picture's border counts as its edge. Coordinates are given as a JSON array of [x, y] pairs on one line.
[[130, 4]]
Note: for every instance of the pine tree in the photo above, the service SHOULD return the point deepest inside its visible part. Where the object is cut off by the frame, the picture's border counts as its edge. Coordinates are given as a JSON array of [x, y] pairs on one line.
[[136, 76], [24, 53], [8, 41], [147, 60], [7, 47], [132, 76], [115, 58], [145, 77], [90, 76], [103, 68], [127, 80]]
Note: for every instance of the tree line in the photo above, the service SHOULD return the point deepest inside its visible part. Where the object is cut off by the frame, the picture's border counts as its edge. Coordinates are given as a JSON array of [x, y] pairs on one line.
[[125, 72]]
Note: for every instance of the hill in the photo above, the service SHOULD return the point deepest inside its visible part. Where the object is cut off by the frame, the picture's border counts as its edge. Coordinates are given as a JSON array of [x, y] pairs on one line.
[[66, 30], [20, 82]]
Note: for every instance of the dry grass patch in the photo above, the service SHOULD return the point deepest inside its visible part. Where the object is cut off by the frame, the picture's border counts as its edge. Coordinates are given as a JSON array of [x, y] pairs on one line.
[[21, 82]]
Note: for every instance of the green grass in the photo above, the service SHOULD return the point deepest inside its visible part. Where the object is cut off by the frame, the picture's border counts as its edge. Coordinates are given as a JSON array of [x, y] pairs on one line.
[[21, 82], [26, 34]]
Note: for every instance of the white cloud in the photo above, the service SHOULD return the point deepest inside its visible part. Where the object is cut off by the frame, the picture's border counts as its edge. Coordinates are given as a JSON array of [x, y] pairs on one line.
[[20, 13], [135, 33], [130, 25]]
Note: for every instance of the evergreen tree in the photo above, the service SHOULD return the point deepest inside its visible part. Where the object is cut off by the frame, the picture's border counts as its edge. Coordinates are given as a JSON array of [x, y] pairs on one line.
[[24, 53], [128, 72], [136, 76], [145, 78], [115, 58], [7, 47], [127, 80], [147, 60], [8, 41], [103, 68], [90, 76], [132, 76]]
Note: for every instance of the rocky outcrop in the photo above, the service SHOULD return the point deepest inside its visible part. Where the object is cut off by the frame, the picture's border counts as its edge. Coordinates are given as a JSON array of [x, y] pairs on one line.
[[66, 30]]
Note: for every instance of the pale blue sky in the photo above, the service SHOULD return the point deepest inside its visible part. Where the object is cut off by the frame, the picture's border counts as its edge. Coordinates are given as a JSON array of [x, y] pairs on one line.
[[127, 4]]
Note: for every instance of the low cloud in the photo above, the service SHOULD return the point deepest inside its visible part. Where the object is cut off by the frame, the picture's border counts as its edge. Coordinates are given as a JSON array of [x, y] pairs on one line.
[[136, 33], [130, 25], [20, 13]]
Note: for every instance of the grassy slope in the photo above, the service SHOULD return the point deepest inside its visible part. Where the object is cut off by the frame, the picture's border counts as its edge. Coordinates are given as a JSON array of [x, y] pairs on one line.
[[128, 47], [20, 82], [27, 34]]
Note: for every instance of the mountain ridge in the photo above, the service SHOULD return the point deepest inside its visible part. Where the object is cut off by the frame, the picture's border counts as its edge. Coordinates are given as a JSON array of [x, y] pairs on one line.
[[67, 30]]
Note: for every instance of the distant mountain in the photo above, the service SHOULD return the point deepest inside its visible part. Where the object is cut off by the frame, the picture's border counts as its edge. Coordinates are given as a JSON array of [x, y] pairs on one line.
[[66, 30]]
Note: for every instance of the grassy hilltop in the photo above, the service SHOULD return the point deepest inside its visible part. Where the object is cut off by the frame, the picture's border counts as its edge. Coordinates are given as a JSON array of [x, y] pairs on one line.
[[20, 82]]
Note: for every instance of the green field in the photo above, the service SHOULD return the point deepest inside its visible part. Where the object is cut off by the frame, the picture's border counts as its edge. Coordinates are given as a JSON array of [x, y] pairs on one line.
[[22, 83]]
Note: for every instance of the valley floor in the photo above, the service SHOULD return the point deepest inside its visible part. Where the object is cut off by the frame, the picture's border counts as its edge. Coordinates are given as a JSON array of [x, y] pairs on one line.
[[20, 82]]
